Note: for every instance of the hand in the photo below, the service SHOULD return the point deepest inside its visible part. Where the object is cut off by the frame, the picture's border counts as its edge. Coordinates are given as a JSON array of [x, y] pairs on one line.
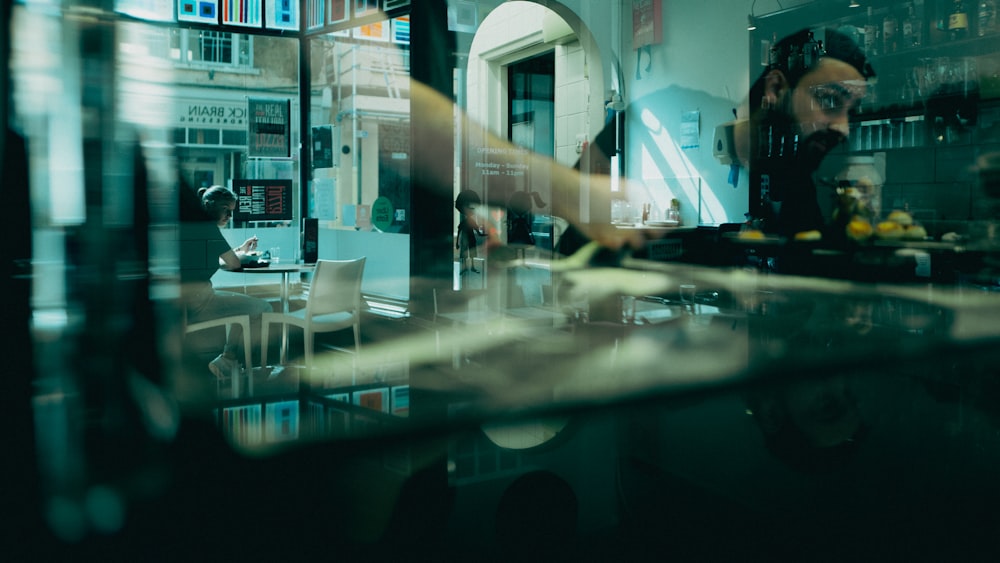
[[248, 245]]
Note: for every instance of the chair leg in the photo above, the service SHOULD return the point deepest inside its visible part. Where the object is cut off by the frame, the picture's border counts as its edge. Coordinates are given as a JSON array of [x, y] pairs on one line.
[[308, 338], [357, 354], [357, 341], [248, 355], [264, 330]]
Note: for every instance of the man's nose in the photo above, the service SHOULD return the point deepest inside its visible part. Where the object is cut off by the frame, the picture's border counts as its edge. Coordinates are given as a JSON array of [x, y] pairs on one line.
[[840, 123]]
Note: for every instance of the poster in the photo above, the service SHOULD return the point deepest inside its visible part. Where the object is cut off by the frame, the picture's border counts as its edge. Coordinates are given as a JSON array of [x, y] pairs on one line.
[[690, 129], [282, 14], [647, 23], [382, 213], [324, 200], [246, 13], [322, 143], [269, 128], [338, 11], [262, 200], [199, 11]]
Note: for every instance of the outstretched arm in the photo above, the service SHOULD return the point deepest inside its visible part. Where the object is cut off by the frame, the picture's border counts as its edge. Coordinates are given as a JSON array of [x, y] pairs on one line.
[[438, 111]]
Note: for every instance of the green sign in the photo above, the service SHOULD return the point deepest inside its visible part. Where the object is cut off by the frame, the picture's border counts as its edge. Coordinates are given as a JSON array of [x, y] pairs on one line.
[[382, 212]]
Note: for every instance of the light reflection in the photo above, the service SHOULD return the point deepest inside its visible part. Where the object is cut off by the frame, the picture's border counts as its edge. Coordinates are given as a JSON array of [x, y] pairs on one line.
[[681, 179], [509, 362]]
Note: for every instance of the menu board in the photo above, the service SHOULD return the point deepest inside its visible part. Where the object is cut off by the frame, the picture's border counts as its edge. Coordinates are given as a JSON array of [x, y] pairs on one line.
[[262, 200], [269, 128]]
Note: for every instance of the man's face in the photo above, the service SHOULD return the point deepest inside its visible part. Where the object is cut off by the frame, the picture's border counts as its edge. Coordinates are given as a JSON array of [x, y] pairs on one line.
[[820, 105]]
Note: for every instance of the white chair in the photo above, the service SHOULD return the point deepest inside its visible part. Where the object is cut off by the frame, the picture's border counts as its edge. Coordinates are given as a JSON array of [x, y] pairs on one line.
[[334, 304], [228, 322]]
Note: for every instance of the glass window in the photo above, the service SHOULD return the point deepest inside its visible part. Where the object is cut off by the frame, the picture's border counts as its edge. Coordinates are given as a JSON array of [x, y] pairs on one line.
[[216, 47], [361, 157], [234, 137], [204, 136], [191, 46]]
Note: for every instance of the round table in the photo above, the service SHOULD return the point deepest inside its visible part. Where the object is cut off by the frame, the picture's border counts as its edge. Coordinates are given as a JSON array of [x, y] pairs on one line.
[[284, 270]]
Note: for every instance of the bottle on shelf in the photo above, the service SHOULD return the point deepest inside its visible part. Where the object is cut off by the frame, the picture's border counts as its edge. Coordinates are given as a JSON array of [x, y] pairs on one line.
[[889, 28], [941, 11], [870, 34], [862, 183], [911, 28], [772, 52], [811, 51], [986, 18], [958, 21]]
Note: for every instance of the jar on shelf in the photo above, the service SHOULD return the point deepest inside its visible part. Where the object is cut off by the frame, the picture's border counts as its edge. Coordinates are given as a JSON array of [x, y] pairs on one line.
[[861, 180]]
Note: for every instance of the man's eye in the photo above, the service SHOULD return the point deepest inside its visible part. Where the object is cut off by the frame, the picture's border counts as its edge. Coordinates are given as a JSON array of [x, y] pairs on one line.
[[828, 101]]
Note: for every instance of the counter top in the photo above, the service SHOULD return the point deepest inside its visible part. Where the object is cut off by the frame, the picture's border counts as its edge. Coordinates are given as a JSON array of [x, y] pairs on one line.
[[769, 417]]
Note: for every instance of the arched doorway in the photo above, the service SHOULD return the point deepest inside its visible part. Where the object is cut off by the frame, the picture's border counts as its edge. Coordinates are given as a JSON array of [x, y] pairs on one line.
[[539, 83]]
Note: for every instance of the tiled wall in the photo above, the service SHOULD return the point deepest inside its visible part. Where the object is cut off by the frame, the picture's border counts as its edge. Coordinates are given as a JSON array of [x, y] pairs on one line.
[[938, 183]]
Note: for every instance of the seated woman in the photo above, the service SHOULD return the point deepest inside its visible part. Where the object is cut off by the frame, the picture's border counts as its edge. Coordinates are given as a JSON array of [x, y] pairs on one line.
[[203, 251]]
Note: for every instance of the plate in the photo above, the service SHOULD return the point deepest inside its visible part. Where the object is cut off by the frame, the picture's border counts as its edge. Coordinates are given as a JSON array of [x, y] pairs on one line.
[[671, 223]]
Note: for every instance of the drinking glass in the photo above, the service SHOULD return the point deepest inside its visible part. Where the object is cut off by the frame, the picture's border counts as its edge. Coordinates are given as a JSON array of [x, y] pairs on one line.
[[628, 309], [687, 291]]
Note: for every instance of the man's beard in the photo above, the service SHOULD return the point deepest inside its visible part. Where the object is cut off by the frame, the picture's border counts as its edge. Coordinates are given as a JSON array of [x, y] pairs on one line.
[[816, 146], [785, 155]]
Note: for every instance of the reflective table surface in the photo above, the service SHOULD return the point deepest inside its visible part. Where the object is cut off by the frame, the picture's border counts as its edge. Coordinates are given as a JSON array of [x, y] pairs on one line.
[[757, 417]]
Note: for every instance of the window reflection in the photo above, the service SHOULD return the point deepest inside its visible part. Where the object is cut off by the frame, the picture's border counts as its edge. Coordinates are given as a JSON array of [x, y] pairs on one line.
[[113, 111]]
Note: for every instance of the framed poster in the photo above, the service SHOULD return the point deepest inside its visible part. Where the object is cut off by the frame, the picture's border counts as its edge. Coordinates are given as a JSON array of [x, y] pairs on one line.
[[339, 11], [394, 4], [200, 11], [322, 146], [242, 425], [401, 30], [374, 399], [400, 398], [365, 7], [269, 128], [245, 13], [315, 14], [282, 14], [262, 200], [378, 31], [463, 16], [647, 23], [282, 421]]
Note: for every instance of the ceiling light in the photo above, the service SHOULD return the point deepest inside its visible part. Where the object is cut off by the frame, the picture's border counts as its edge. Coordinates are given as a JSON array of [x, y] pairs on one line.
[[751, 23], [854, 4]]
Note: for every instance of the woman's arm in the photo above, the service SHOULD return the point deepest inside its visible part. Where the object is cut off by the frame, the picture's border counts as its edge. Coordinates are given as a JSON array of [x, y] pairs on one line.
[[229, 260], [233, 259]]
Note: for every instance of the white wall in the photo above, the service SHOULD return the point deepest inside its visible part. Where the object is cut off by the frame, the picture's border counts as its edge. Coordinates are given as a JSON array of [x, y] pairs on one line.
[[702, 65]]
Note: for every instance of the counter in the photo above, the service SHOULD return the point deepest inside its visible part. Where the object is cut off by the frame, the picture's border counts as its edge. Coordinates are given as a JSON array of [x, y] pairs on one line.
[[769, 417]]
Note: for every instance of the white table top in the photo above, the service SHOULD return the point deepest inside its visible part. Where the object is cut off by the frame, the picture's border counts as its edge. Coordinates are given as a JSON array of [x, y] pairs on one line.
[[281, 267]]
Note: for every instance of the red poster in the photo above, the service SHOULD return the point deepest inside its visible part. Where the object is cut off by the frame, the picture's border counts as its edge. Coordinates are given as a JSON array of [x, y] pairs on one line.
[[338, 11], [647, 23]]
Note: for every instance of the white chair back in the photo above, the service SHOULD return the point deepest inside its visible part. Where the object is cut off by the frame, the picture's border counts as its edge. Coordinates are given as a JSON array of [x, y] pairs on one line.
[[336, 287]]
